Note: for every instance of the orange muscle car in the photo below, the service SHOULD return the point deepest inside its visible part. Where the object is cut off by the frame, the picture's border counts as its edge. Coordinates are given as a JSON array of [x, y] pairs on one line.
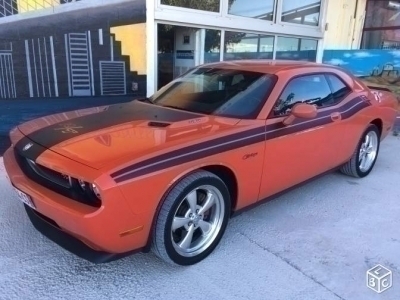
[[166, 173]]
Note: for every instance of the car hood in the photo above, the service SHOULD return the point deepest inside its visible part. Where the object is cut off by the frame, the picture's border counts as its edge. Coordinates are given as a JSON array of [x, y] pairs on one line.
[[98, 136]]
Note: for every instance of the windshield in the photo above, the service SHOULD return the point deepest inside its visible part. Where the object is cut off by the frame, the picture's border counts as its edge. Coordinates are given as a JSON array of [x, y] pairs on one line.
[[222, 92]]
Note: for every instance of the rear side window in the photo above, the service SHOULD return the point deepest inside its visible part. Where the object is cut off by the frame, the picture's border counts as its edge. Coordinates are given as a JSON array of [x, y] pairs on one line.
[[339, 89], [312, 89]]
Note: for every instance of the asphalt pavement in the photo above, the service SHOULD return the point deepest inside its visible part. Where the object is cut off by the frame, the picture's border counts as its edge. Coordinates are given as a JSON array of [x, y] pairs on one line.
[[315, 242]]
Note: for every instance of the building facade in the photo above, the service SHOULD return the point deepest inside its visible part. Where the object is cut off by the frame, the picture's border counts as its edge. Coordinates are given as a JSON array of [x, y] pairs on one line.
[[86, 48], [71, 48]]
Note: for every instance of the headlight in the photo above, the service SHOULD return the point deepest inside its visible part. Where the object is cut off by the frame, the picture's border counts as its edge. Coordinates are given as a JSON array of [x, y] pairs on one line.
[[96, 190]]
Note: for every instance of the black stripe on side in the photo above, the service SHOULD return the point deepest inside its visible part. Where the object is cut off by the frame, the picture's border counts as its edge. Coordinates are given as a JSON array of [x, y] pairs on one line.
[[233, 141], [163, 164], [192, 148]]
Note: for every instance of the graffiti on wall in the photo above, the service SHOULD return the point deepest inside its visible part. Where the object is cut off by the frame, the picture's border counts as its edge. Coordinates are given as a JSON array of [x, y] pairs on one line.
[[90, 52]]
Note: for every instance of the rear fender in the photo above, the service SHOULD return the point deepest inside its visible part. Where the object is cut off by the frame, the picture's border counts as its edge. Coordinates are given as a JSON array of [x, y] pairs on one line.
[[384, 96]]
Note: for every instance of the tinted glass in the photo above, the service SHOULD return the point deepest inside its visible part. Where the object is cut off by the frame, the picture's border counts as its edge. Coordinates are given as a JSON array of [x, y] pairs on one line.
[[207, 5], [292, 48], [339, 89], [382, 14], [301, 11], [212, 45], [381, 39], [239, 45], [231, 93], [312, 89], [253, 9]]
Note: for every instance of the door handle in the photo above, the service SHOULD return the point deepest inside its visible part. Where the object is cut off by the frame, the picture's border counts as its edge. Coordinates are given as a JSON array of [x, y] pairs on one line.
[[336, 116]]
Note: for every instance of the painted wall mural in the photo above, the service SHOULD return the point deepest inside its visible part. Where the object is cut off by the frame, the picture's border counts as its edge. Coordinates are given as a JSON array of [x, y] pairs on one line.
[[89, 52], [365, 63], [7, 76], [13, 7]]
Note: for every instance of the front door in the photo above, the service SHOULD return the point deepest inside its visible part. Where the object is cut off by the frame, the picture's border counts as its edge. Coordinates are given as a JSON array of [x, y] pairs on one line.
[[308, 147]]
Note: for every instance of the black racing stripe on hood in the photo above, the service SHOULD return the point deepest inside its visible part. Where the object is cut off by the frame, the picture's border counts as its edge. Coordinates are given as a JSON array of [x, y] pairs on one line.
[[233, 141], [114, 115], [32, 151]]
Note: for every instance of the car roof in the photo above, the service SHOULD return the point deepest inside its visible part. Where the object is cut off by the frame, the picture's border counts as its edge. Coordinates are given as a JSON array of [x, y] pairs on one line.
[[265, 65]]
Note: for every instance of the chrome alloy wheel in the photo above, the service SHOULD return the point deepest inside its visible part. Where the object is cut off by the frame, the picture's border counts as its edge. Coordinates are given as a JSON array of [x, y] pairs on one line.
[[368, 151], [197, 221]]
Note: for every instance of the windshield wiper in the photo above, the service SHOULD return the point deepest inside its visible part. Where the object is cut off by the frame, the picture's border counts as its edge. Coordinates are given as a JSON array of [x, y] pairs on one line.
[[173, 106], [148, 100]]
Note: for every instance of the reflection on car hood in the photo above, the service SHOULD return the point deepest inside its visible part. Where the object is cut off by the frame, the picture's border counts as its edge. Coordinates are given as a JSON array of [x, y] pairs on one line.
[[99, 135]]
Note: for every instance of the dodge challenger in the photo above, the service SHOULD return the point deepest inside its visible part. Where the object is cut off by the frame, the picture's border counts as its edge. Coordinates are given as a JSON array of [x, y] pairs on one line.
[[166, 173]]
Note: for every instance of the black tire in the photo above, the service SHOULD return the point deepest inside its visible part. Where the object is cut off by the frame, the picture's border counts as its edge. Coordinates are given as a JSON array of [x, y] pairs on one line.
[[352, 167], [163, 243]]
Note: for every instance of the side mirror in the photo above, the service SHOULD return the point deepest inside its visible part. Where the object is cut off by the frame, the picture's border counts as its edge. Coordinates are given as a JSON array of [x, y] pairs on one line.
[[301, 111]]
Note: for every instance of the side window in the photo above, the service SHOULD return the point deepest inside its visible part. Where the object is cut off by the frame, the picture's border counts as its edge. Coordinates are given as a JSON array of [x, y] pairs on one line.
[[339, 88], [312, 89]]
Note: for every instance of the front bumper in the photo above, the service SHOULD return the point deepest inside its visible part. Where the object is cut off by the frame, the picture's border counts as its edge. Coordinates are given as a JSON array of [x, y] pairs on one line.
[[106, 233], [68, 242]]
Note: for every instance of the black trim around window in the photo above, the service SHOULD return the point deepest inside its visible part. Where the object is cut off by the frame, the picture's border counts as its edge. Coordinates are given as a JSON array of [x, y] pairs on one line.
[[349, 90], [271, 113]]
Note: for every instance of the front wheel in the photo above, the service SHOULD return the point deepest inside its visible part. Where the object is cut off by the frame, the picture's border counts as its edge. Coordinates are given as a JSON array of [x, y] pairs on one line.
[[364, 157], [192, 219]]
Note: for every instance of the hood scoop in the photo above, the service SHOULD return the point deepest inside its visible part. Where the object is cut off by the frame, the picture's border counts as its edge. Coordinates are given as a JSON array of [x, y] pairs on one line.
[[158, 124]]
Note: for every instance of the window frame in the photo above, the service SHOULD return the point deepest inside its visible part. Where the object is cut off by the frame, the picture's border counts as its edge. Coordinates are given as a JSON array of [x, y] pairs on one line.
[[160, 5], [344, 83], [245, 18], [321, 18], [256, 35], [271, 114]]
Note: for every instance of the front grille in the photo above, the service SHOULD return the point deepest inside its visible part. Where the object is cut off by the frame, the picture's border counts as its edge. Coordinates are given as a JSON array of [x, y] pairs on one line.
[[57, 182], [49, 174]]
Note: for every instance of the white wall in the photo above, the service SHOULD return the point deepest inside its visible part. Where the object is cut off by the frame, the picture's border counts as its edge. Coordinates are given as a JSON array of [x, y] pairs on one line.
[[344, 27]]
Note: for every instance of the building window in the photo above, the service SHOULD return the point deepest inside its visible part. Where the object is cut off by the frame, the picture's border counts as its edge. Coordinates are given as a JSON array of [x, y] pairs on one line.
[[305, 12], [382, 14], [206, 5], [182, 48], [382, 25], [212, 45], [291, 48], [253, 9], [381, 39], [239, 45]]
